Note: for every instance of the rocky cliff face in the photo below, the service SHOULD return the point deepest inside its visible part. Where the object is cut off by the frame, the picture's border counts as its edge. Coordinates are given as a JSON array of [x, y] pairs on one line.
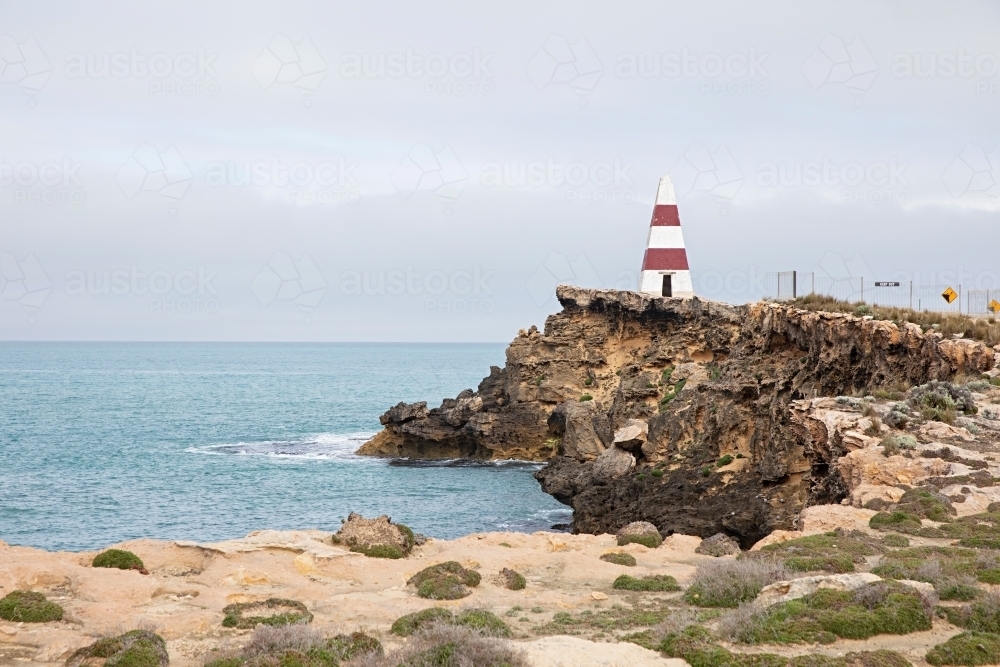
[[677, 412]]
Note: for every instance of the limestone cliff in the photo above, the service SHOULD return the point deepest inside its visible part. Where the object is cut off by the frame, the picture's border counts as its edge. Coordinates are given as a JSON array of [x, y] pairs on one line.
[[675, 411]]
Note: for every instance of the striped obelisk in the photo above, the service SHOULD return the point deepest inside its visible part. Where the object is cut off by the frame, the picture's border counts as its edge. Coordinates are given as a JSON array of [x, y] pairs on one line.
[[665, 265]]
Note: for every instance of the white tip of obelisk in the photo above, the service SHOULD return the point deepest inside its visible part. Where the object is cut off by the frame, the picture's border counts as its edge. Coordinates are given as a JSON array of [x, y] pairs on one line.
[[665, 192]]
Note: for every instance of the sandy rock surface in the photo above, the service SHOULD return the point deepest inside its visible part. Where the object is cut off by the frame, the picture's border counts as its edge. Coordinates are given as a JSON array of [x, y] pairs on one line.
[[562, 651], [190, 583]]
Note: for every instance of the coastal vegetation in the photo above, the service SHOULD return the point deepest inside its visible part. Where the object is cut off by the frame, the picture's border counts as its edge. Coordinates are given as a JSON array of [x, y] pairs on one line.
[[29, 607], [273, 611], [120, 559], [445, 581], [136, 648]]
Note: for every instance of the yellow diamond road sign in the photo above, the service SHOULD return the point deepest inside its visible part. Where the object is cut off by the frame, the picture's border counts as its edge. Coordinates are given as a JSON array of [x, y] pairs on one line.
[[949, 295], [994, 306]]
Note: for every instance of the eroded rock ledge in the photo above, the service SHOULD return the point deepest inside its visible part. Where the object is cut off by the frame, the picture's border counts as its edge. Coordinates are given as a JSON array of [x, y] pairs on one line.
[[676, 412]]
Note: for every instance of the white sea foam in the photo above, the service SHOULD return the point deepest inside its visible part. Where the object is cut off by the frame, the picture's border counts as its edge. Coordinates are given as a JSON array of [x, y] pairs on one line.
[[318, 447]]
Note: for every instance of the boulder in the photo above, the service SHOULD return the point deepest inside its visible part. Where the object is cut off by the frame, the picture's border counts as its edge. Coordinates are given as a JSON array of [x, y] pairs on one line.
[[612, 463], [358, 531], [404, 412], [640, 532], [717, 545], [574, 422], [632, 436], [783, 591]]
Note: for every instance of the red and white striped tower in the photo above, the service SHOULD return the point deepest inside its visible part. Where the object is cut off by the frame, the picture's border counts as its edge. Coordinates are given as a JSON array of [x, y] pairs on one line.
[[665, 265]]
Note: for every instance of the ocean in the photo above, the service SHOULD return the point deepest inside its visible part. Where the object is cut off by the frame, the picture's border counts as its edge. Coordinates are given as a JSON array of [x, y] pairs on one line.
[[103, 442]]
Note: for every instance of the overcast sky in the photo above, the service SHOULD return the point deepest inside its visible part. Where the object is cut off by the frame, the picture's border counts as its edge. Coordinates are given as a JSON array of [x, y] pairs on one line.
[[385, 171]]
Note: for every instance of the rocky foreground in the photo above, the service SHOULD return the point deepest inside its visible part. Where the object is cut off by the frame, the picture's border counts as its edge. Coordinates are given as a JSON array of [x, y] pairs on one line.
[[696, 416]]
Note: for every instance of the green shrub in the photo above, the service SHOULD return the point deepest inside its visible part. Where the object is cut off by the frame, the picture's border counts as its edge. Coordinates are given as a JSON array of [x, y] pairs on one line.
[[897, 520], [484, 622], [836, 551], [404, 626], [967, 648], [724, 461], [894, 540], [379, 551], [619, 558], [825, 615], [137, 648], [981, 616], [29, 607], [648, 540], [512, 580], [408, 535], [297, 646], [657, 473], [119, 558], [586, 397], [444, 581], [245, 615], [654, 583], [957, 591]]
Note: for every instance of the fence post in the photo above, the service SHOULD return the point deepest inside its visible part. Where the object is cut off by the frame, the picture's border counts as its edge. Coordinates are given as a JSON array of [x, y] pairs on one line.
[[862, 289], [911, 295], [794, 286], [960, 299]]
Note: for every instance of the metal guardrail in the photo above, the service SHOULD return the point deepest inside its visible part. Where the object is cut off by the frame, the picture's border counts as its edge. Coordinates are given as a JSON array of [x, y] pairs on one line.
[[784, 285]]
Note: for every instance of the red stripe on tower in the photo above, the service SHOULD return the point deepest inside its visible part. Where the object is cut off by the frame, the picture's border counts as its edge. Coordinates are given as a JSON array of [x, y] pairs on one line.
[[665, 270]]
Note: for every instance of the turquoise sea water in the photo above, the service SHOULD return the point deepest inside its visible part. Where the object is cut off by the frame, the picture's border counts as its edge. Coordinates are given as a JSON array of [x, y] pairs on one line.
[[102, 442]]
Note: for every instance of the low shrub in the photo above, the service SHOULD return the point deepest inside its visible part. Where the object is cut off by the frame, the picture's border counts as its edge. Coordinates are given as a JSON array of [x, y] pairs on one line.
[[654, 583], [246, 615], [444, 581], [897, 520], [981, 616], [835, 551], [379, 551], [724, 461], [619, 558], [512, 580], [137, 648], [880, 608], [727, 583], [452, 646], [967, 648], [298, 646], [120, 559], [404, 626], [29, 607], [586, 397], [483, 622], [894, 540]]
